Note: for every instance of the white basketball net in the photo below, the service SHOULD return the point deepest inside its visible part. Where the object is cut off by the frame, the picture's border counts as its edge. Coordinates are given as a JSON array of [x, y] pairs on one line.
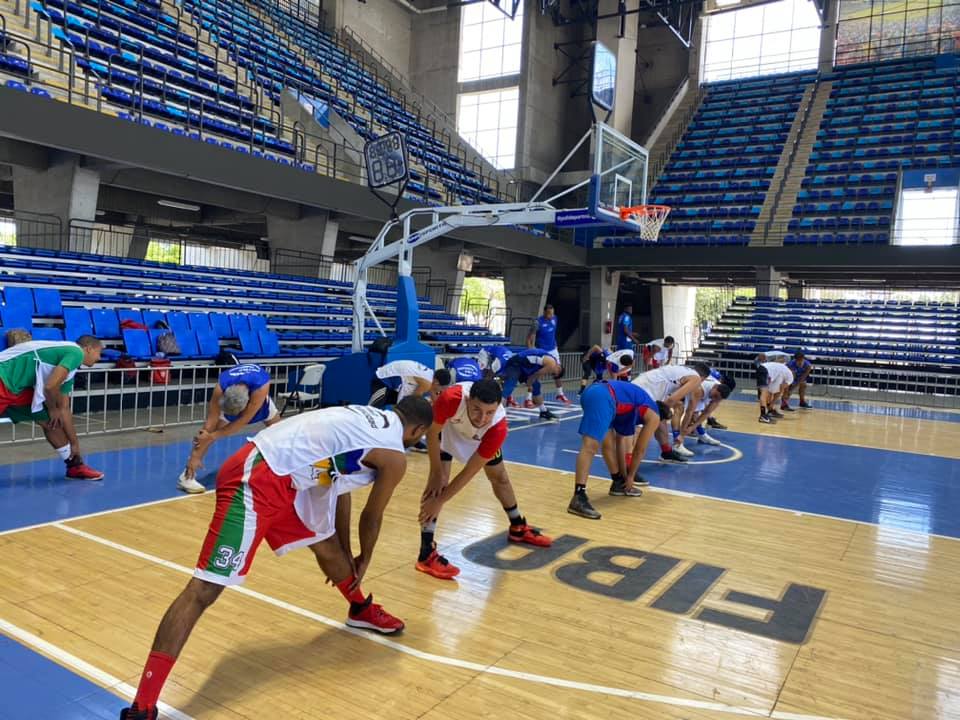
[[649, 219]]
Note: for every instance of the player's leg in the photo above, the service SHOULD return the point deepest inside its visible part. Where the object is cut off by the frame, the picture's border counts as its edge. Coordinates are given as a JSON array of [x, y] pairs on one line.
[[802, 386], [664, 438], [76, 468], [537, 391], [232, 539], [430, 561], [558, 382], [775, 394], [520, 531], [599, 410]]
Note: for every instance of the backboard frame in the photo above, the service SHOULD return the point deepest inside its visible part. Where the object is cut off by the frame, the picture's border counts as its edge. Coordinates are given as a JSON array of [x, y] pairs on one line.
[[619, 173]]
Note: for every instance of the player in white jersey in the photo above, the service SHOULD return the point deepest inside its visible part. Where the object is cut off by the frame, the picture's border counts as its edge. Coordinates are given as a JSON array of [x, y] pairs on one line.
[[403, 378], [658, 353], [469, 425], [775, 356], [671, 385], [714, 392], [773, 378], [290, 485]]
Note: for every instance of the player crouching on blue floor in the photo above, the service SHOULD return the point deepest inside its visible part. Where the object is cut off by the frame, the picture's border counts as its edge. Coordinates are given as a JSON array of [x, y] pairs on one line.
[[611, 412], [241, 398], [530, 366]]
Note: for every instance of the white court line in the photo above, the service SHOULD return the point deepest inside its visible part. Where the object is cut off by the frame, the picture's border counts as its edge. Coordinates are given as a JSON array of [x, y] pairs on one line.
[[67, 660], [737, 455], [451, 661], [182, 496]]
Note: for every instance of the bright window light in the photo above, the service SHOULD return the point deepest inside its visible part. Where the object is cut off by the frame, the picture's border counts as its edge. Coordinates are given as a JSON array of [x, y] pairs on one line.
[[488, 121], [927, 218], [490, 42]]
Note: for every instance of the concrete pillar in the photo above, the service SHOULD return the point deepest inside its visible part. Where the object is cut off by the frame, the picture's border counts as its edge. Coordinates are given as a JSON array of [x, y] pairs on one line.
[[796, 291], [525, 289], [139, 243], [625, 49], [296, 245], [64, 190], [604, 288], [768, 282], [444, 282], [673, 312], [828, 36]]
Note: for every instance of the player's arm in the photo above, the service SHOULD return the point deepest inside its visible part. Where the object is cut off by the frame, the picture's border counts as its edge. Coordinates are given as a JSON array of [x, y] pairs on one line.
[[686, 387], [532, 335], [435, 480], [805, 374], [651, 421], [589, 354], [53, 396], [213, 410], [474, 465], [391, 466], [423, 386]]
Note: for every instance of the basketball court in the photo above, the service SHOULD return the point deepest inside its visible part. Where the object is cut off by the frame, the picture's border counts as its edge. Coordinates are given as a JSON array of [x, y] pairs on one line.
[[743, 587]]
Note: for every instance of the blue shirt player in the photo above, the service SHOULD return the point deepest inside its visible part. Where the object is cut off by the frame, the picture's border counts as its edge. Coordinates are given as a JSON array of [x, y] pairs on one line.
[[612, 410], [465, 369], [626, 338], [240, 398], [529, 366], [543, 336], [801, 369]]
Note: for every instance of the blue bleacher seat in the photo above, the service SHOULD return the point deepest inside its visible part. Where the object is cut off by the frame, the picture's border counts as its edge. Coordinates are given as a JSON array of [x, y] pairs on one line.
[[207, 343], [179, 322], [249, 342], [199, 321], [187, 341], [131, 315], [238, 324], [269, 342], [137, 343], [152, 317], [76, 322], [105, 323], [221, 325], [47, 333], [47, 303], [19, 299], [258, 322]]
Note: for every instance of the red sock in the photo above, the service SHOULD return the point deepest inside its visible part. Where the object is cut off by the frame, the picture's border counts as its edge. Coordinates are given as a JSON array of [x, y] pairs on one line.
[[354, 596], [666, 447], [154, 676]]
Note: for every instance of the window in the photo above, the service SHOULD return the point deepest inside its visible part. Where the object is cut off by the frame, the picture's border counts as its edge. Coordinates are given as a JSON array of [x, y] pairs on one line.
[[8, 232], [488, 121], [490, 42], [766, 39], [871, 30], [927, 218]]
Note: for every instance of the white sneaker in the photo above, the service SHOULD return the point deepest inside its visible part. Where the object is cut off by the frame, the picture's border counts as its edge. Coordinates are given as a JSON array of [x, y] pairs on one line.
[[189, 485], [707, 440], [680, 450]]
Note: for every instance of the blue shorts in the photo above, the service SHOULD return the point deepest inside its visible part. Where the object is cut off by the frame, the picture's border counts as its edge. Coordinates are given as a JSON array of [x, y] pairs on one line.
[[600, 414]]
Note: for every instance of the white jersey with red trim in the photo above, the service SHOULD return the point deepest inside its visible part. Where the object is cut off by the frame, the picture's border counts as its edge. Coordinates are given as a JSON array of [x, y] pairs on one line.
[[459, 437]]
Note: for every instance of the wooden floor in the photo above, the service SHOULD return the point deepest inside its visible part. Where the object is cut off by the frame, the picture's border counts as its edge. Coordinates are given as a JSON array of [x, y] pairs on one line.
[[558, 641]]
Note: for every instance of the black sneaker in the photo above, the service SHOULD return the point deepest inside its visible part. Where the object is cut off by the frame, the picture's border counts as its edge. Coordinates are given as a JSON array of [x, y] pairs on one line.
[[672, 456], [420, 447], [787, 408], [766, 420], [580, 505], [135, 713], [618, 488], [775, 414], [806, 406], [715, 424], [547, 415]]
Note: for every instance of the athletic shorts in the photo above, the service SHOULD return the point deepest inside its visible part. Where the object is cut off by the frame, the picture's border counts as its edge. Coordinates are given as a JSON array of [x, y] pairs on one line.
[[253, 504], [16, 407], [495, 460], [600, 414], [762, 376]]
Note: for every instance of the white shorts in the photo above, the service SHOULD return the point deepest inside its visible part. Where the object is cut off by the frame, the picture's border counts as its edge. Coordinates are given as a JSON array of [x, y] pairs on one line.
[[271, 413], [555, 354], [453, 443]]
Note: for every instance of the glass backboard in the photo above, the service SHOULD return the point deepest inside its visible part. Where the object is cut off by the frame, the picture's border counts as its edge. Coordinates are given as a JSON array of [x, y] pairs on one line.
[[619, 175]]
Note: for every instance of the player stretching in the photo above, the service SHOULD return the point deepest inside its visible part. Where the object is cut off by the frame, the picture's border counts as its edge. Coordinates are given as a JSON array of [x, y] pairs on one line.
[[603, 364], [404, 378], [801, 369], [469, 424], [671, 385], [241, 398], [529, 366], [291, 485], [543, 336], [611, 412], [658, 353], [772, 379], [714, 393]]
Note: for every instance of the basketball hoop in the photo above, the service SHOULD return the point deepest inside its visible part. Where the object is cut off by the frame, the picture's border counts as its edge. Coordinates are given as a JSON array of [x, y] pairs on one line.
[[648, 218]]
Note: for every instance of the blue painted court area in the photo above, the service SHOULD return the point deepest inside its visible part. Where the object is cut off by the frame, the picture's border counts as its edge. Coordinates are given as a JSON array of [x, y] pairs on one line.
[[31, 686], [895, 489]]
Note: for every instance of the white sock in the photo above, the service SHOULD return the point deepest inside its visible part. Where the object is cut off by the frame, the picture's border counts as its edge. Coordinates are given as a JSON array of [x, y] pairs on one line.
[[64, 453]]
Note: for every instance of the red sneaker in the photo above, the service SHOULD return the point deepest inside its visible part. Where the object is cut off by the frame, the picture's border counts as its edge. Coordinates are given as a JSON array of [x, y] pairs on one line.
[[83, 472], [564, 399], [511, 402], [528, 534], [438, 566], [374, 617], [528, 404]]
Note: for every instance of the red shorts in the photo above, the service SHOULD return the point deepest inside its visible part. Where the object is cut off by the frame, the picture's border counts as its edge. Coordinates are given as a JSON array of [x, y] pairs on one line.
[[9, 399], [253, 503]]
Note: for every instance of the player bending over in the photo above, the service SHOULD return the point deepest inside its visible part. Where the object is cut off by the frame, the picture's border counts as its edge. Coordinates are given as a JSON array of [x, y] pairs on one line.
[[772, 379], [241, 398], [543, 336], [801, 369], [602, 364], [658, 353], [611, 412], [404, 378], [36, 379], [291, 485], [671, 385], [469, 425], [714, 393], [530, 366]]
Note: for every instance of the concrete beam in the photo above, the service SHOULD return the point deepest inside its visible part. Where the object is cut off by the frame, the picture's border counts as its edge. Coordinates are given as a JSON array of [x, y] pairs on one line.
[[23, 154]]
